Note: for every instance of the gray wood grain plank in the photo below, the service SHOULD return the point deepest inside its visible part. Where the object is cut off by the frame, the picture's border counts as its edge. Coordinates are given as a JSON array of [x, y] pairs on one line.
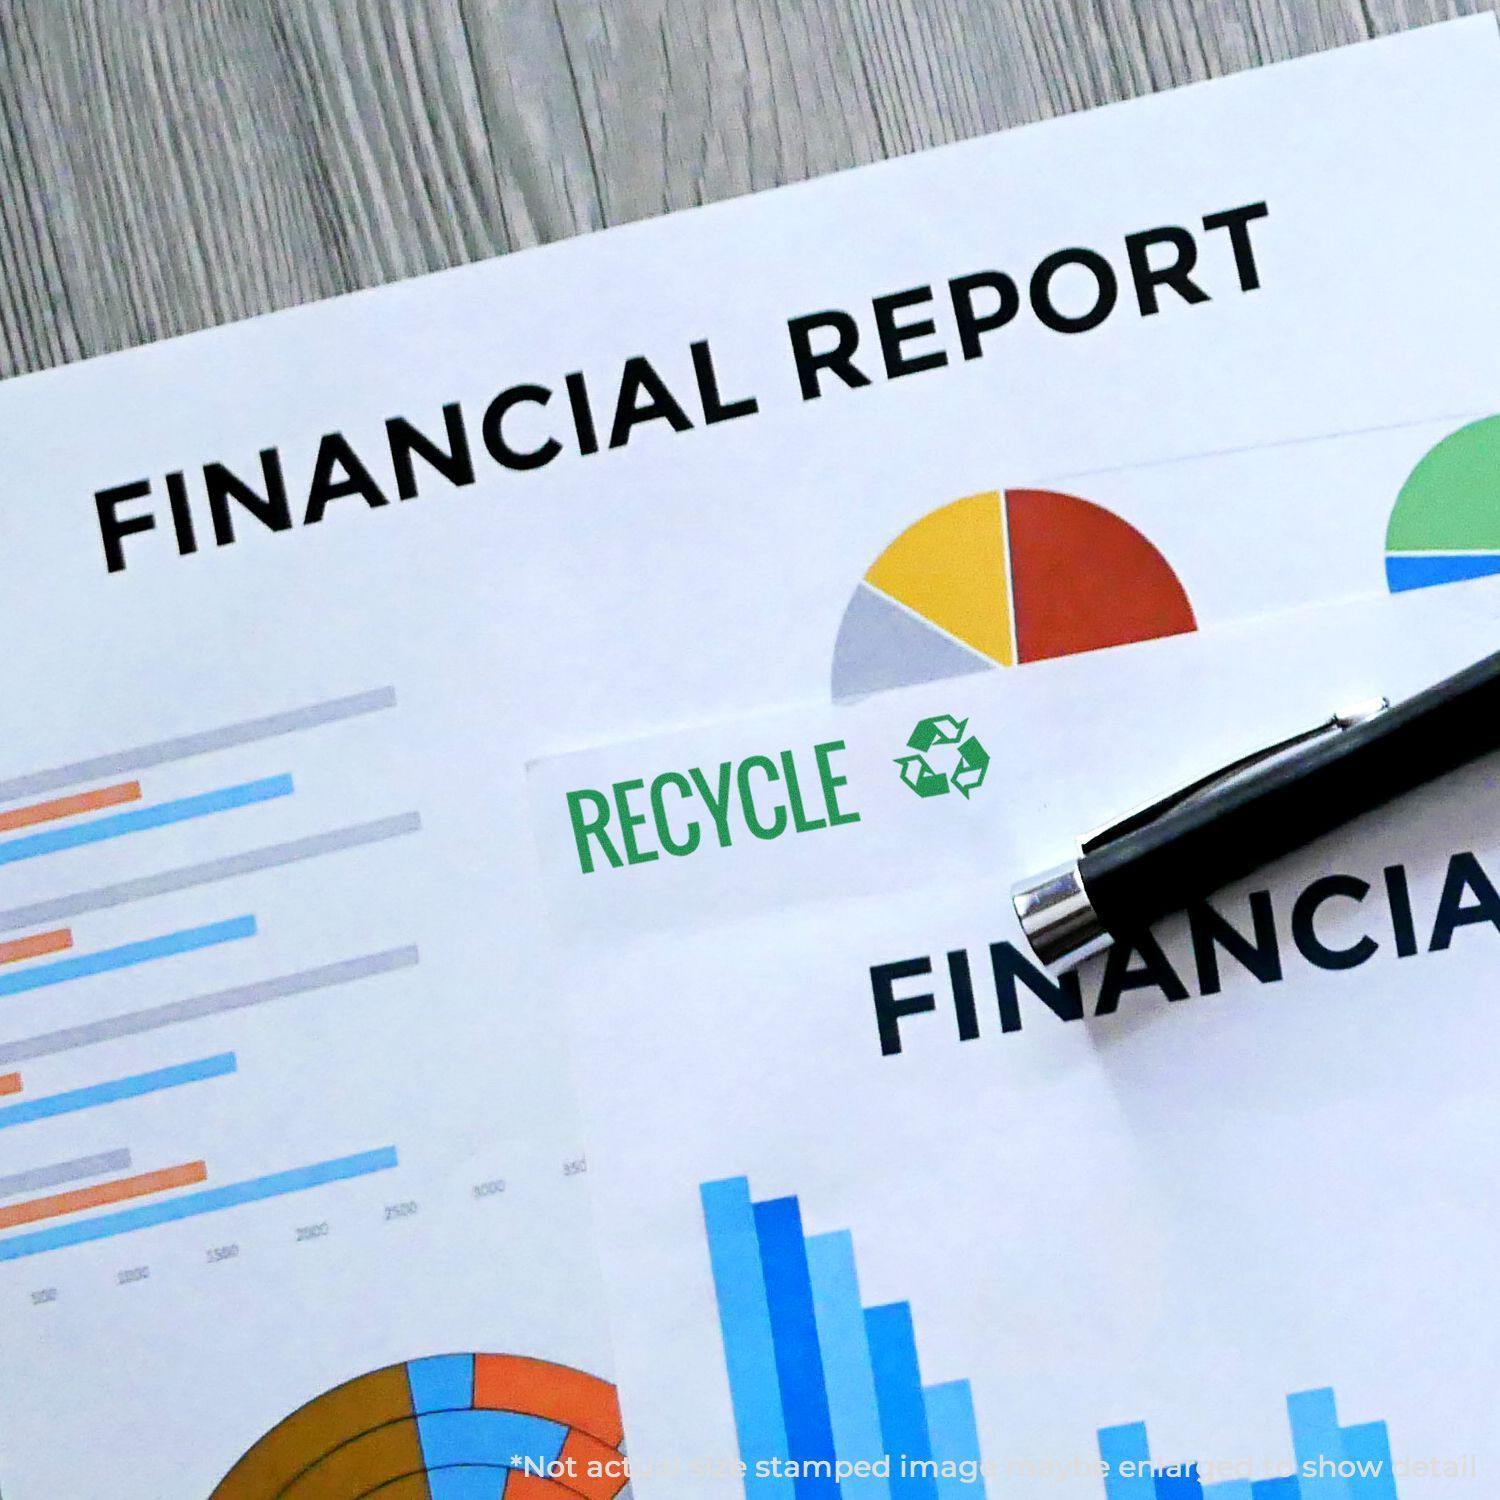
[[170, 164], [390, 113], [547, 174], [169, 161]]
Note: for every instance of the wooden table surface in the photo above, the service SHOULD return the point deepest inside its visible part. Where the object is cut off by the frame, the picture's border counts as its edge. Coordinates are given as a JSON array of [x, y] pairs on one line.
[[170, 164]]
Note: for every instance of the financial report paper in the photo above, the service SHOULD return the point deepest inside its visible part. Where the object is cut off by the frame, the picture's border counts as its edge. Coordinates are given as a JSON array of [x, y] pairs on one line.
[[285, 1118], [873, 1189]]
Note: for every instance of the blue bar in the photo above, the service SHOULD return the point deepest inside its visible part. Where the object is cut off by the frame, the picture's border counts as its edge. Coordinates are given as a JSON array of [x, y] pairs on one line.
[[1316, 1438], [208, 1201], [745, 1325], [1369, 1445], [898, 1387], [442, 1382], [498, 1439], [1422, 572], [116, 1089], [853, 1406], [189, 940], [1181, 1484], [794, 1331], [1285, 1488], [1229, 1489], [955, 1438], [466, 1483], [140, 819], [1126, 1454]]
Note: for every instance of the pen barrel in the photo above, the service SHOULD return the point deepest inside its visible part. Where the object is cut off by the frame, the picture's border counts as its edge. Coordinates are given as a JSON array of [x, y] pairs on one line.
[[1229, 832]]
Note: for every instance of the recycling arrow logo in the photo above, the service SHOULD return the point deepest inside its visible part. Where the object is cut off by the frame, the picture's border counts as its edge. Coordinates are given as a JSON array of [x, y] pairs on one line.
[[967, 761]]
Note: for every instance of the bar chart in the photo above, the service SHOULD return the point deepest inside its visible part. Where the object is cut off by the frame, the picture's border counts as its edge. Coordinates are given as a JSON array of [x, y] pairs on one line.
[[827, 1393], [278, 1099], [1333, 1462], [101, 822]]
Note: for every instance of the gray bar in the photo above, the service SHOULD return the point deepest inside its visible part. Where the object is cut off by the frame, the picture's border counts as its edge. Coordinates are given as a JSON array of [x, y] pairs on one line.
[[345, 972], [185, 746], [65, 1171], [60, 908]]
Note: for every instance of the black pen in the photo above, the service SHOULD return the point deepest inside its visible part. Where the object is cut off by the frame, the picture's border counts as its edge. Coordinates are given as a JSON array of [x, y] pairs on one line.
[[1180, 849]]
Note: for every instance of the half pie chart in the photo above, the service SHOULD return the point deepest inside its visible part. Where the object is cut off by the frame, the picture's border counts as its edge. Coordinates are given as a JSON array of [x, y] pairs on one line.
[[1001, 578], [447, 1427], [1446, 523]]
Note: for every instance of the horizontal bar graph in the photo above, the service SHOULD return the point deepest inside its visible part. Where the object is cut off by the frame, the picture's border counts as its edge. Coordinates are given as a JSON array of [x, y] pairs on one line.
[[817, 1380], [116, 1090], [38, 945], [1332, 1462], [128, 955], [102, 1193], [165, 882], [39, 1179], [175, 1012], [188, 746], [69, 807], [100, 803], [143, 819], [190, 1205]]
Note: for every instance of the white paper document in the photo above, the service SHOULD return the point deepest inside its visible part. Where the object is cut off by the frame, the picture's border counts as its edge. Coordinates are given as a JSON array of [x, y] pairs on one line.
[[284, 1100], [872, 1188]]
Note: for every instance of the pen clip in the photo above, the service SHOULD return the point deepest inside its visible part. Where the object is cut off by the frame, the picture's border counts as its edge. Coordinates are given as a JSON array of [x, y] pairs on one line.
[[1226, 775]]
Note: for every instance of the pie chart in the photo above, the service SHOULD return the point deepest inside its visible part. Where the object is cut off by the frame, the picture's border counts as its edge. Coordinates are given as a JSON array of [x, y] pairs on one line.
[[1446, 524], [1001, 578], [447, 1427]]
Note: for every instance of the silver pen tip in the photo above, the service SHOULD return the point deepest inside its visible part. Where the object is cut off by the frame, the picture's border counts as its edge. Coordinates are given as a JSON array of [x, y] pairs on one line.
[[1058, 919]]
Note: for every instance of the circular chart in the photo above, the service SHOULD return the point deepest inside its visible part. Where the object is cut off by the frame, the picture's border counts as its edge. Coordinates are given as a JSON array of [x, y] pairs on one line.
[[1446, 523], [449, 1427], [996, 579]]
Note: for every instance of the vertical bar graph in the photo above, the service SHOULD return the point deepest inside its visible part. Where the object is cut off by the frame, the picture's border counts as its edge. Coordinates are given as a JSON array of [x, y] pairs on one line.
[[1180, 1482], [827, 1394], [1126, 1456], [1368, 1444], [955, 1439], [1332, 1462], [794, 1333], [745, 1327], [898, 1393], [852, 1403], [1317, 1445]]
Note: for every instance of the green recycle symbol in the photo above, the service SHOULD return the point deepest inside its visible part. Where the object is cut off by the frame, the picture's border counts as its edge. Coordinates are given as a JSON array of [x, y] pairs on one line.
[[967, 776]]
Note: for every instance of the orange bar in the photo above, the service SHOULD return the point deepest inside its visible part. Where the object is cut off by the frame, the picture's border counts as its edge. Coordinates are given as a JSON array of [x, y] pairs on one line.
[[10, 1083], [67, 807], [35, 946], [59, 1204]]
